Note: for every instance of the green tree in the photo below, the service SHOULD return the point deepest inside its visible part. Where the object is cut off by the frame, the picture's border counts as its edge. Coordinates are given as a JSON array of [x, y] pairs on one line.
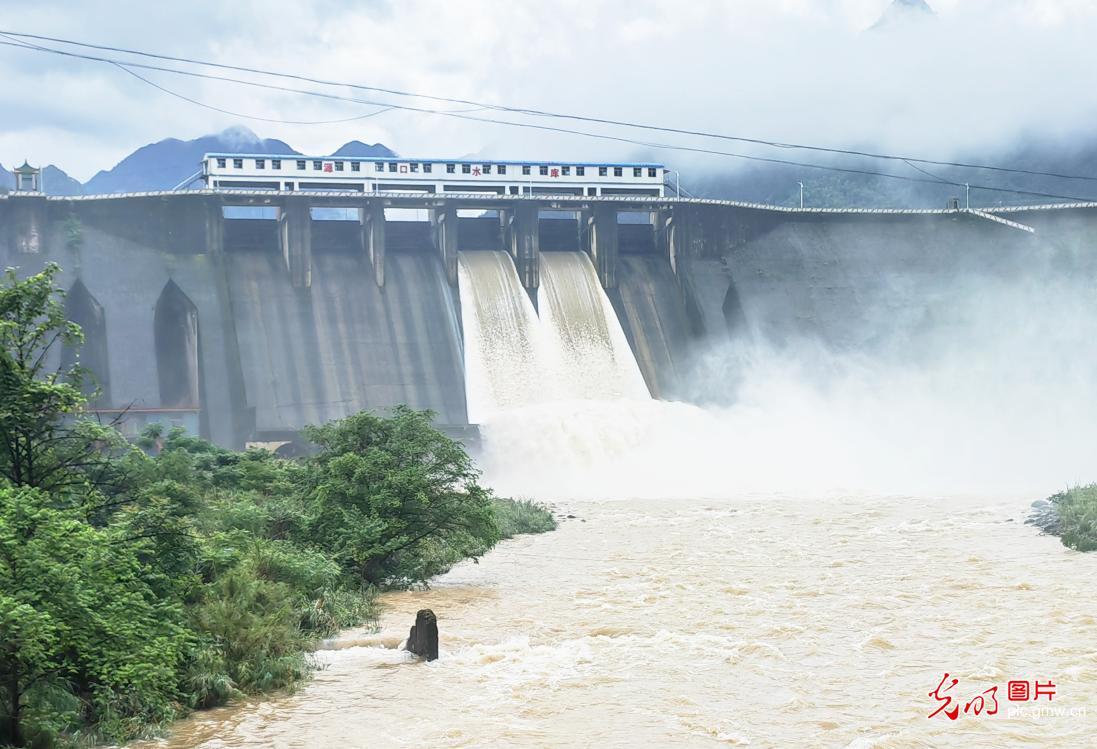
[[32, 396], [44, 440], [393, 499], [77, 619], [43, 443]]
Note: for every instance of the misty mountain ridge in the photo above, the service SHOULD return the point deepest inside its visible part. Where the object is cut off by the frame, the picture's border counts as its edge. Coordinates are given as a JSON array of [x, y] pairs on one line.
[[164, 165], [902, 13], [777, 184], [357, 148]]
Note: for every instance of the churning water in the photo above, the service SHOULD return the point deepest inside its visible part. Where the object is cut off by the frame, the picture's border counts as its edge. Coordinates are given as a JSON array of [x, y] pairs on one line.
[[774, 623]]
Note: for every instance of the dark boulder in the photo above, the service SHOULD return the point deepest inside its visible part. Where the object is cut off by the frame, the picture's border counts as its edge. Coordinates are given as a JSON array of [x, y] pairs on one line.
[[1045, 516], [423, 638]]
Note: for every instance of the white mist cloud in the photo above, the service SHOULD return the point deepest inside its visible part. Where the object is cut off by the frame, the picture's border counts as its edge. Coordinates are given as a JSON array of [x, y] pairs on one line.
[[993, 396], [799, 70]]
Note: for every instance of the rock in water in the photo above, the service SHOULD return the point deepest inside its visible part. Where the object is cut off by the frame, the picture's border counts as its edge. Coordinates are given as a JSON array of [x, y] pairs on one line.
[[423, 638]]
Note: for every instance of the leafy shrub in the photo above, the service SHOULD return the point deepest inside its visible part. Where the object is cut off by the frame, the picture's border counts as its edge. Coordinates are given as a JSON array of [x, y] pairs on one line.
[[85, 637], [392, 498]]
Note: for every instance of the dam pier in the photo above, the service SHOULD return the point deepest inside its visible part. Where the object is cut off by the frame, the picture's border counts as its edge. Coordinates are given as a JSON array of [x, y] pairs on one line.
[[244, 315]]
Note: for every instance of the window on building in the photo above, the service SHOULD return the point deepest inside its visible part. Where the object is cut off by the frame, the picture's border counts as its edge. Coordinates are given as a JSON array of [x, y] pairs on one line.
[[637, 171], [487, 168], [220, 163], [427, 168], [414, 167], [618, 171], [652, 171], [317, 166], [543, 171], [378, 166], [237, 163], [260, 163], [525, 170], [275, 163], [392, 166], [338, 166], [355, 166], [466, 168], [565, 170], [603, 171], [580, 171], [501, 169], [301, 164], [451, 168]]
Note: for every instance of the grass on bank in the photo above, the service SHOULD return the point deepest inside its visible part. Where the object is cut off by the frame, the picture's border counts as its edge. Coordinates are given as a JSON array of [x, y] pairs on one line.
[[1073, 517], [519, 516]]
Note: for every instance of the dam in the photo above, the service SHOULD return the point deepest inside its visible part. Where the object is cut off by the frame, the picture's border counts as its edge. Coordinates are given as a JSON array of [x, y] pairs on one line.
[[244, 316]]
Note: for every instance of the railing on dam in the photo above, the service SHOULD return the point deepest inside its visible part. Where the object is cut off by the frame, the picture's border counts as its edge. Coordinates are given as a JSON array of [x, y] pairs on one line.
[[544, 201]]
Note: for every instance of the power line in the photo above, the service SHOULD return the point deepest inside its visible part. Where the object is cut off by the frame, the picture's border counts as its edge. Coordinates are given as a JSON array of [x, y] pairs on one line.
[[204, 105], [557, 115], [249, 116], [528, 125]]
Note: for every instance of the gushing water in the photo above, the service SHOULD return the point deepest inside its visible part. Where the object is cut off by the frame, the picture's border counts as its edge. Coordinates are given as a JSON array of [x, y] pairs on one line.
[[504, 349], [595, 361], [575, 350]]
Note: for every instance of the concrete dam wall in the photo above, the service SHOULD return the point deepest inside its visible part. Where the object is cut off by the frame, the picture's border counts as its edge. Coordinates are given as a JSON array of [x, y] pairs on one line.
[[849, 280], [248, 329]]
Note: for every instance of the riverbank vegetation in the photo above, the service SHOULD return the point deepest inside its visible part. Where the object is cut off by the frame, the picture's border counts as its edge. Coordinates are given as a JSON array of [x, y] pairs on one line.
[[1071, 515], [141, 581]]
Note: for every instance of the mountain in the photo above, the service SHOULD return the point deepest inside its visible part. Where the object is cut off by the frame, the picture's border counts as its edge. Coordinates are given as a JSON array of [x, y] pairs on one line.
[[164, 165], [904, 12], [56, 182], [358, 148]]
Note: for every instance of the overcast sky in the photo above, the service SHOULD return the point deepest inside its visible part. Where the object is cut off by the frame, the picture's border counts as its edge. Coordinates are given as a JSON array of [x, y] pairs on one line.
[[982, 75]]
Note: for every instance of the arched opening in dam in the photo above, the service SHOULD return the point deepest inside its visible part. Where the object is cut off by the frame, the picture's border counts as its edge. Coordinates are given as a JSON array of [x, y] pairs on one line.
[[175, 326], [84, 309]]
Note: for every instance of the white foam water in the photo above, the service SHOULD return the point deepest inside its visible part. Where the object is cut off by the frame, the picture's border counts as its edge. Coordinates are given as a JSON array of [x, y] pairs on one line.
[[514, 358]]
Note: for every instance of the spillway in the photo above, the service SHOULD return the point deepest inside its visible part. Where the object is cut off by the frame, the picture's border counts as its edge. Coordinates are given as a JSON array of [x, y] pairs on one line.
[[504, 351], [594, 358], [575, 350]]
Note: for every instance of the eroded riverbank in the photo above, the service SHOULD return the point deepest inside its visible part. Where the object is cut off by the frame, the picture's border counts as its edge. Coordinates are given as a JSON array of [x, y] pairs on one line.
[[772, 622]]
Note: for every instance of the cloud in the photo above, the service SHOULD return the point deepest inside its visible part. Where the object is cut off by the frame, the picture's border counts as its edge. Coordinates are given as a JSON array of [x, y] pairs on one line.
[[797, 70]]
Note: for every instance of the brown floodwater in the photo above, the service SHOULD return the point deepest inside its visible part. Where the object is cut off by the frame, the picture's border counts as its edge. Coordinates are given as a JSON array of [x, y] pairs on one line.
[[763, 622]]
